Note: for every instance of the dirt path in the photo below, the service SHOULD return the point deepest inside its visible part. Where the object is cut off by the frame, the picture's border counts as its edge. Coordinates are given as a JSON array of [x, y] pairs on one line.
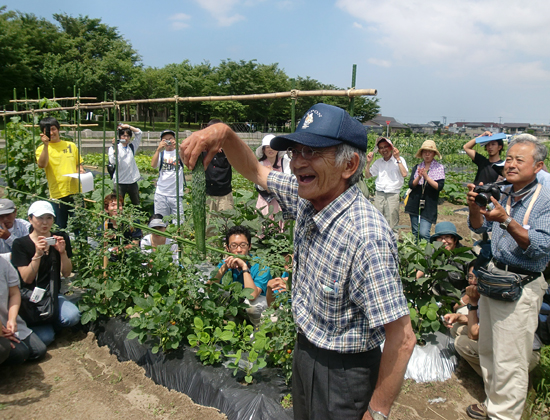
[[79, 380]]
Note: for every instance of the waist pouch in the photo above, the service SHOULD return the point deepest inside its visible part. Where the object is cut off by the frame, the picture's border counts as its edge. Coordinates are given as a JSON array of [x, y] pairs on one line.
[[501, 285]]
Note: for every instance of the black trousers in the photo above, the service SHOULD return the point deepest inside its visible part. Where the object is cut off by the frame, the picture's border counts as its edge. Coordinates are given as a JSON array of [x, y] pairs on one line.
[[131, 189], [331, 385], [62, 211]]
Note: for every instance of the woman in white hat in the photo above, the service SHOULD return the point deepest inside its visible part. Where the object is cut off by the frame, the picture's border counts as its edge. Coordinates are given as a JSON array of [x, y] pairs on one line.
[[426, 181], [277, 161], [41, 258]]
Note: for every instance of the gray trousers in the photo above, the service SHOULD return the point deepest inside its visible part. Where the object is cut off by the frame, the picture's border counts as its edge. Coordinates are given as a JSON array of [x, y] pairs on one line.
[[331, 385], [388, 205]]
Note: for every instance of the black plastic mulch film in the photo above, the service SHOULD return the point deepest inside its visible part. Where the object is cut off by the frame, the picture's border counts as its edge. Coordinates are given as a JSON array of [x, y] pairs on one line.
[[213, 386]]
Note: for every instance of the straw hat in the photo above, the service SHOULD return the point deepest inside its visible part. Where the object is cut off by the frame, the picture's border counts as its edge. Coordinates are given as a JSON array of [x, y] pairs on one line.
[[427, 145]]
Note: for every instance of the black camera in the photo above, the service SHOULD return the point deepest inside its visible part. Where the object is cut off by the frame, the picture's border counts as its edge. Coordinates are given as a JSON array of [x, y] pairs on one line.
[[422, 204], [47, 131], [485, 192]]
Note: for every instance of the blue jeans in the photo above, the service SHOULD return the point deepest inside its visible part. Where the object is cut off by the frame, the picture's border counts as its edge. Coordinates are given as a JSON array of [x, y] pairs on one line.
[[425, 227], [69, 316]]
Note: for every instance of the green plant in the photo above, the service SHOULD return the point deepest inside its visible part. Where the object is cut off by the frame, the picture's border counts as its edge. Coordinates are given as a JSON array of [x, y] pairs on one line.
[[208, 342], [251, 364], [199, 205], [286, 402], [436, 263]]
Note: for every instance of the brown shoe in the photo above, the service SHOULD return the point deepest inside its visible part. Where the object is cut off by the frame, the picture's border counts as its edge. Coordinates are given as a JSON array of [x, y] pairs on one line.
[[477, 411]]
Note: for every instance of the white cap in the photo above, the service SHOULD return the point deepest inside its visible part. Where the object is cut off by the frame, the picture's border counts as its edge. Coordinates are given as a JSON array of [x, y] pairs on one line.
[[40, 208], [157, 223], [266, 141]]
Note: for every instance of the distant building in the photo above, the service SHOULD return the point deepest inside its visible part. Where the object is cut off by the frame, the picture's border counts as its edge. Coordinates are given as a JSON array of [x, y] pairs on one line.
[[473, 129], [380, 124]]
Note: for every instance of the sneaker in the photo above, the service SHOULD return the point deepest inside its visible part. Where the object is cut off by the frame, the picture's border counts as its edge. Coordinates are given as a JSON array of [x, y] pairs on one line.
[[477, 411]]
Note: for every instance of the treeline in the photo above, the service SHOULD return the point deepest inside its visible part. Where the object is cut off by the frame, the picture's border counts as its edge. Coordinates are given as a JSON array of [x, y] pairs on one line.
[[84, 52]]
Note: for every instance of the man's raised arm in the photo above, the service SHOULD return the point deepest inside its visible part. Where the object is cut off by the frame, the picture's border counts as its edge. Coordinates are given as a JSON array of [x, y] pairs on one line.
[[220, 136]]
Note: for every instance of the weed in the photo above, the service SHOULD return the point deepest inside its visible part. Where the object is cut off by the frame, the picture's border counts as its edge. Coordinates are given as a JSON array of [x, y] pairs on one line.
[[286, 402]]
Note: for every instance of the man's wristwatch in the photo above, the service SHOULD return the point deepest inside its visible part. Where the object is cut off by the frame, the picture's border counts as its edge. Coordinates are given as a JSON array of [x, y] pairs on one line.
[[245, 271], [377, 415], [472, 307], [504, 225]]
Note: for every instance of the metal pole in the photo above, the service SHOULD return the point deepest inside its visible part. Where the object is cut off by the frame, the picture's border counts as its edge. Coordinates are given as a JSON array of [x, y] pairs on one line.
[[15, 99], [7, 151], [74, 111], [34, 150], [104, 135], [26, 106], [293, 108], [177, 157], [352, 101], [79, 139], [115, 146]]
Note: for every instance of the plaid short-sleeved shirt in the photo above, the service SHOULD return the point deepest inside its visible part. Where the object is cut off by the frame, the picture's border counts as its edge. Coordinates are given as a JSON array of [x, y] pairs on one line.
[[346, 284]]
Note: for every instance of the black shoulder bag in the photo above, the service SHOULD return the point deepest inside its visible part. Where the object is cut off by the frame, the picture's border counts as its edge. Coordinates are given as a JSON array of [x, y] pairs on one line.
[[45, 310]]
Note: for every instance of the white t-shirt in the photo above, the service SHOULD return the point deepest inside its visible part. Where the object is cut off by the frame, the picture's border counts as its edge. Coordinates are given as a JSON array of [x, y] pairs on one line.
[[128, 171], [146, 246], [10, 278], [166, 184], [389, 176]]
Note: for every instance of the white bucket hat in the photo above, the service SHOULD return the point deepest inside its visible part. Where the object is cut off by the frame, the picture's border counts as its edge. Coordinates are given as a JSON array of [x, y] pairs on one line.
[[266, 141]]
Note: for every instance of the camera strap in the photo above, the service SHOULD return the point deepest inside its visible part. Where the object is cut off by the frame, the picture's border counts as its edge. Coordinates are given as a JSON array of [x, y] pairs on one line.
[[529, 208]]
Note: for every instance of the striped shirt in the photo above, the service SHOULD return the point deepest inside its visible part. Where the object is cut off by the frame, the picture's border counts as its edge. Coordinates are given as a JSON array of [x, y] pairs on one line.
[[20, 228], [504, 247], [346, 284]]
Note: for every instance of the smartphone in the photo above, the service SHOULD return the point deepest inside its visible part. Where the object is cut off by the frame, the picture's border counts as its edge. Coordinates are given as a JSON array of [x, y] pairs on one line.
[[47, 131], [51, 241]]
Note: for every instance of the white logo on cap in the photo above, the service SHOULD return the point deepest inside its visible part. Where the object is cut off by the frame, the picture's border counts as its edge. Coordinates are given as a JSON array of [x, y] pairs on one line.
[[2, 205], [308, 119]]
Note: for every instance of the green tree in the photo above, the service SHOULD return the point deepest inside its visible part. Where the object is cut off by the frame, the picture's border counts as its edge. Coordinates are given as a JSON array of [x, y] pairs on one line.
[[92, 56]]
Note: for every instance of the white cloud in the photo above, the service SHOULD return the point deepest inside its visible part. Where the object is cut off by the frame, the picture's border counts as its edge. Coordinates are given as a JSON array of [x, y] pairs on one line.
[[357, 25], [378, 62], [460, 38], [179, 21], [222, 10]]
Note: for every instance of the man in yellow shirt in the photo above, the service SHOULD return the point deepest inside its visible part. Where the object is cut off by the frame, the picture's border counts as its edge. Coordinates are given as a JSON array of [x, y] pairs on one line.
[[58, 158]]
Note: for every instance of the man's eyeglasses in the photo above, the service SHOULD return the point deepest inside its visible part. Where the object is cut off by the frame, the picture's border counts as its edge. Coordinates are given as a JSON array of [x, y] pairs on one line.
[[307, 152], [234, 247]]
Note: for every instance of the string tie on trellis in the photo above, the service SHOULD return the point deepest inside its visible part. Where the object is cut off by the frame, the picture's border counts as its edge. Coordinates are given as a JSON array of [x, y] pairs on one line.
[[294, 93]]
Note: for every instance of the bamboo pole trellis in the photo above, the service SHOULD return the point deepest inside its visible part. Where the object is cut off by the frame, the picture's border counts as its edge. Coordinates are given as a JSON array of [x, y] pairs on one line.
[[294, 93]]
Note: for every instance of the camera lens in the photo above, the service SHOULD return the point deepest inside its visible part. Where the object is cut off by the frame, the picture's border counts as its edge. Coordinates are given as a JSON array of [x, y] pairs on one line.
[[482, 199]]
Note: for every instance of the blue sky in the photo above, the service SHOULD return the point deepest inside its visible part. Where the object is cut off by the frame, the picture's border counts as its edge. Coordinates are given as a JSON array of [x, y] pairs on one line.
[[473, 60]]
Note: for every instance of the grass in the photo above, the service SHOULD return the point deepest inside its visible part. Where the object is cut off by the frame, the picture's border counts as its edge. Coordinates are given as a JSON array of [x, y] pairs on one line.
[[540, 406]]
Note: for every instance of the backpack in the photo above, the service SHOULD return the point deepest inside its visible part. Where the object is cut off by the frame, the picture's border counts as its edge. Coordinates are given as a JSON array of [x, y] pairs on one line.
[[543, 330], [111, 168], [161, 159]]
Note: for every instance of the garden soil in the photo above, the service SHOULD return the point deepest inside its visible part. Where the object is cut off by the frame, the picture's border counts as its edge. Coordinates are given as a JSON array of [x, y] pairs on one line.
[[80, 380]]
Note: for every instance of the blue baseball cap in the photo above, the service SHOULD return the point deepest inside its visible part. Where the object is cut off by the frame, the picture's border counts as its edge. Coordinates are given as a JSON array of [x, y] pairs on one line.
[[324, 126]]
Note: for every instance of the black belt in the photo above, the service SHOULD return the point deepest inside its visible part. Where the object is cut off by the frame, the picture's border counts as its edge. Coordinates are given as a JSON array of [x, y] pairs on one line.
[[516, 270]]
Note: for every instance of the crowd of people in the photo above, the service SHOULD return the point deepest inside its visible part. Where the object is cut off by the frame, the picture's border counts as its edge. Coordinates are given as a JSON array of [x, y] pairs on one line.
[[347, 296]]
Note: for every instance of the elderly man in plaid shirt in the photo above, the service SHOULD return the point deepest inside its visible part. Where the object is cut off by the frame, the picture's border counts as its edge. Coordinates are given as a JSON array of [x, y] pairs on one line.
[[346, 293]]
